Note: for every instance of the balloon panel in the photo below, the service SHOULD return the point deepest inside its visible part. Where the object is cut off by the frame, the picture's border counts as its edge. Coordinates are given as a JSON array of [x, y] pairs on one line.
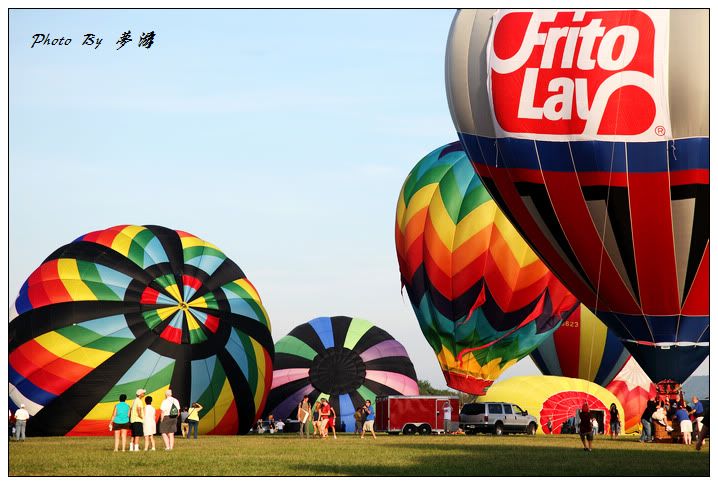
[[633, 388], [582, 347], [134, 307]]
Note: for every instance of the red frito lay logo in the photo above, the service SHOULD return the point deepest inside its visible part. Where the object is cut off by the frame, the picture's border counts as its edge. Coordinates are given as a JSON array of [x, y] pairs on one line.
[[579, 74]]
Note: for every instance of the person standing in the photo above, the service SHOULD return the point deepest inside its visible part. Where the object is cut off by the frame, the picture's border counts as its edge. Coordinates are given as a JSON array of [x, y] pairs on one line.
[[646, 421], [369, 422], [184, 425], [137, 419], [304, 411], [585, 428], [615, 421], [315, 417], [704, 431], [149, 424], [193, 419], [120, 421], [331, 422], [324, 411], [169, 411], [685, 424], [447, 417], [697, 413], [359, 419], [21, 417]]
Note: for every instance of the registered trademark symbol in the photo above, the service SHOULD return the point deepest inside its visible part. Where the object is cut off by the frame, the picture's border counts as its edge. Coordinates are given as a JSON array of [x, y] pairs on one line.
[[660, 130]]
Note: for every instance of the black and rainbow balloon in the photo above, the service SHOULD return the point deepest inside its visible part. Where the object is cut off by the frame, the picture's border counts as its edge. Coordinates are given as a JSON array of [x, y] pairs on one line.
[[138, 307], [345, 360]]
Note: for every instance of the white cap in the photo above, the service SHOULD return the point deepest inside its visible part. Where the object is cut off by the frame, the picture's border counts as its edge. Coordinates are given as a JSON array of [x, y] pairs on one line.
[[140, 392]]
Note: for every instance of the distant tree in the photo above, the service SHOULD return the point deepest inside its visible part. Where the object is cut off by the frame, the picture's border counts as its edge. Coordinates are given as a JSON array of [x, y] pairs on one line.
[[426, 389]]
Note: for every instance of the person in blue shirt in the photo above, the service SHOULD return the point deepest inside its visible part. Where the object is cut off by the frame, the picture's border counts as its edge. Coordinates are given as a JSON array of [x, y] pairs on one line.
[[697, 413], [369, 423], [120, 421], [686, 426]]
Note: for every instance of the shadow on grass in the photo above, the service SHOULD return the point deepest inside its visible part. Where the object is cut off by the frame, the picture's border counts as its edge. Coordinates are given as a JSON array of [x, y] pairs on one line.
[[428, 459]]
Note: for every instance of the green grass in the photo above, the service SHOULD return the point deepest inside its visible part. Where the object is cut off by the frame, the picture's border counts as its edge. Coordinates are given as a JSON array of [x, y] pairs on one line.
[[348, 455]]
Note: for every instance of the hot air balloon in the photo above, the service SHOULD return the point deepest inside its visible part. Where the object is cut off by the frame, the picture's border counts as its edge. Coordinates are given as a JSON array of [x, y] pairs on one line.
[[555, 399], [345, 360], [134, 307], [582, 347], [565, 116], [482, 297], [633, 388]]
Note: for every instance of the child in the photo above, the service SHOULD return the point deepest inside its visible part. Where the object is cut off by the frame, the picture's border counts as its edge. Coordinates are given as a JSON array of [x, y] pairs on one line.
[[149, 424]]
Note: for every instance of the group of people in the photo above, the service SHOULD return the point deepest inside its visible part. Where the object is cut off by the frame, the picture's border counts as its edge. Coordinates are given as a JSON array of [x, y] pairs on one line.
[[323, 417], [141, 419], [665, 411]]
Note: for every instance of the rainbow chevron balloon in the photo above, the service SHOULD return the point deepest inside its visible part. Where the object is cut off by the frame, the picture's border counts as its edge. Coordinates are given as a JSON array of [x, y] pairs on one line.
[[134, 307], [482, 297]]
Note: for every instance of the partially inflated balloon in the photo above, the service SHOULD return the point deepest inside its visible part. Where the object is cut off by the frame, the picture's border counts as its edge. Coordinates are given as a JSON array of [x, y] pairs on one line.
[[633, 388], [482, 297], [565, 115], [345, 360], [133, 307], [582, 347], [555, 399]]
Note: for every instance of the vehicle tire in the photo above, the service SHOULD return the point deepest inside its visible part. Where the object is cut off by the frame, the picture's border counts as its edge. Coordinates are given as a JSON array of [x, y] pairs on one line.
[[531, 429], [425, 429], [499, 428], [410, 429]]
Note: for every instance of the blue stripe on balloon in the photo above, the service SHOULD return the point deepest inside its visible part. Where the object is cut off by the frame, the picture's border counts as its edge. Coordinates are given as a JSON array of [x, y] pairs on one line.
[[201, 376], [147, 365], [116, 281], [589, 156], [323, 328], [346, 413], [236, 350], [28, 389], [154, 253], [22, 303]]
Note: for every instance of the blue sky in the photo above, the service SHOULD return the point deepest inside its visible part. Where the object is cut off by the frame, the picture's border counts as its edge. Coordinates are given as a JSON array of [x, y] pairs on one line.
[[281, 136]]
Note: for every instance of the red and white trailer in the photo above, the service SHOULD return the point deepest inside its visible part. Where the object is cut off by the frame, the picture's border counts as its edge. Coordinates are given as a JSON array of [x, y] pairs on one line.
[[414, 414]]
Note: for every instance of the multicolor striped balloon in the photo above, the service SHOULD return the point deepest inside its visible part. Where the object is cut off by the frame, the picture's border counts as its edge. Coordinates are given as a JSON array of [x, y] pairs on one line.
[[345, 360], [582, 347], [482, 297], [134, 307]]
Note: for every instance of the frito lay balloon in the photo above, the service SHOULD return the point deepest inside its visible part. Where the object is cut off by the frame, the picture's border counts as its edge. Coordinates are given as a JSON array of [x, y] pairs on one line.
[[482, 297], [556, 400], [590, 130], [582, 347], [138, 307]]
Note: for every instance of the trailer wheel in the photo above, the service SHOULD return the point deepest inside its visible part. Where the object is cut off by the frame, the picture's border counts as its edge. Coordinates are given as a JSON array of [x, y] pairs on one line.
[[410, 429], [424, 429]]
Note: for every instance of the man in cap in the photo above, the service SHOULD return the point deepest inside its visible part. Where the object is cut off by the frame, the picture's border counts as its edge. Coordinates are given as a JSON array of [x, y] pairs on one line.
[[21, 417], [137, 417]]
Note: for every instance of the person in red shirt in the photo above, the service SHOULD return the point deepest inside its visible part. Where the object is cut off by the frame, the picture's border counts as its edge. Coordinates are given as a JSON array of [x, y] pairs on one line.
[[330, 422], [324, 411]]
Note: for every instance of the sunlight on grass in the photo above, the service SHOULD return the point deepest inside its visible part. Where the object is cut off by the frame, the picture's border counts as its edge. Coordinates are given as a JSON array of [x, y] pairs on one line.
[[275, 455]]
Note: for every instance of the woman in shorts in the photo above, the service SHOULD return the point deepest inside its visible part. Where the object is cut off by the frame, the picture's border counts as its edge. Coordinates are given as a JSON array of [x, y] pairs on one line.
[[120, 421]]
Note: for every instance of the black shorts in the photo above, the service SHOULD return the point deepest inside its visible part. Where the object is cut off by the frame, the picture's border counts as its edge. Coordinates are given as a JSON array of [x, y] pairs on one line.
[[137, 429], [118, 426]]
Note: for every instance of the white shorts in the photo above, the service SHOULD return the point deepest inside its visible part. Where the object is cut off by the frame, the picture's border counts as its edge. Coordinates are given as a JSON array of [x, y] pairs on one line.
[[369, 425], [686, 426]]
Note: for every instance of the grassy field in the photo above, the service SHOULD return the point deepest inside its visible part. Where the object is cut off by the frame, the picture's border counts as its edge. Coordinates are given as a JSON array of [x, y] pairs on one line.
[[270, 455]]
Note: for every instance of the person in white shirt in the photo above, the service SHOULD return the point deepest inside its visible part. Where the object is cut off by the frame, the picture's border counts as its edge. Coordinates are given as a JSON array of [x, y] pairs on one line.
[[21, 417], [447, 417], [169, 410], [149, 425]]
